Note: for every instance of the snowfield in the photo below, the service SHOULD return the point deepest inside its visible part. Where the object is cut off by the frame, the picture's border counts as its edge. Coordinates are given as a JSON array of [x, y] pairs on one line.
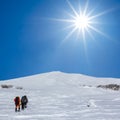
[[61, 96]]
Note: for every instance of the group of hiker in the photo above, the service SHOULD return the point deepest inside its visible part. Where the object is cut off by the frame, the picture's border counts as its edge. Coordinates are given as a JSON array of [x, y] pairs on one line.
[[20, 102]]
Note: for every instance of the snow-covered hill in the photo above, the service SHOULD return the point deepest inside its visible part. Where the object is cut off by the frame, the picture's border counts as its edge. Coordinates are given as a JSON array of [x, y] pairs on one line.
[[59, 79], [61, 96]]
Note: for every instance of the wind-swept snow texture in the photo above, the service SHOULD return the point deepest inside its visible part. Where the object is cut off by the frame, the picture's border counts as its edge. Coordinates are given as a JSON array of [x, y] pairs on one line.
[[61, 96]]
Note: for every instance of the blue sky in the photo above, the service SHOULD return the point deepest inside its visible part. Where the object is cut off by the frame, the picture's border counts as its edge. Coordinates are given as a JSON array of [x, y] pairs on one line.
[[32, 42]]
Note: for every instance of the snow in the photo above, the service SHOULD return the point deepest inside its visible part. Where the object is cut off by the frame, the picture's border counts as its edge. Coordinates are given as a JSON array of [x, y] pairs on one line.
[[61, 96]]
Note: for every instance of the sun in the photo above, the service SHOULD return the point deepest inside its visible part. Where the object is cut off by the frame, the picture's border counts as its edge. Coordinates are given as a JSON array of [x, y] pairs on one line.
[[83, 21]]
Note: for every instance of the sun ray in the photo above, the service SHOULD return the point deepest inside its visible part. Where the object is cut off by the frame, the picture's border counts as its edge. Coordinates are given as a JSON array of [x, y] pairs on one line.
[[63, 20], [71, 15], [80, 9], [70, 34], [78, 34], [69, 27], [90, 34], [83, 34], [101, 14], [86, 8], [91, 11], [98, 31], [72, 8]]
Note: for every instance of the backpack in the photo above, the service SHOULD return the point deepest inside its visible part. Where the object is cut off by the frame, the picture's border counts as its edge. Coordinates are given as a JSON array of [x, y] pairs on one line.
[[24, 99], [17, 100]]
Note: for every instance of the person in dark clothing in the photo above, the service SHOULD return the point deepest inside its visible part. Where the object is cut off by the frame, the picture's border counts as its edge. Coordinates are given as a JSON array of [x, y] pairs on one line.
[[24, 101], [17, 104]]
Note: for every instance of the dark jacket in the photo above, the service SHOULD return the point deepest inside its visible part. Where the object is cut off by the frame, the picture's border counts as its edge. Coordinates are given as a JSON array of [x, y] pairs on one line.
[[24, 100]]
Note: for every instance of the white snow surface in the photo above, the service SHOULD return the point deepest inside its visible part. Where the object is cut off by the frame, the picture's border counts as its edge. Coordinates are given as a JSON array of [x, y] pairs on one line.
[[61, 96]]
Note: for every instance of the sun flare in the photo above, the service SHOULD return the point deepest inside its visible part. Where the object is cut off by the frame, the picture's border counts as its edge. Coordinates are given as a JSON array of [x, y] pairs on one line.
[[83, 21]]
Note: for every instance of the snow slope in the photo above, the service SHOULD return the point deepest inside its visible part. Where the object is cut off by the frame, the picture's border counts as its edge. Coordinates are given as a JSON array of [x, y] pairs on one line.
[[59, 79], [61, 96]]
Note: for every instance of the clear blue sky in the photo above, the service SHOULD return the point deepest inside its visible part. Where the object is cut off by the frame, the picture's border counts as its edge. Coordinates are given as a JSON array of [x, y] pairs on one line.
[[32, 43]]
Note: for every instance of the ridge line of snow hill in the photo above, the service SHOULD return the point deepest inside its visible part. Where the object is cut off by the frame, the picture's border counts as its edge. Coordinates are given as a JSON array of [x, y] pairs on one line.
[[58, 79]]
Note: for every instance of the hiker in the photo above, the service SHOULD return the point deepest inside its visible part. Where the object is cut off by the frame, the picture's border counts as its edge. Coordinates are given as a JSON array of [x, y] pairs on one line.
[[17, 104], [24, 101]]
